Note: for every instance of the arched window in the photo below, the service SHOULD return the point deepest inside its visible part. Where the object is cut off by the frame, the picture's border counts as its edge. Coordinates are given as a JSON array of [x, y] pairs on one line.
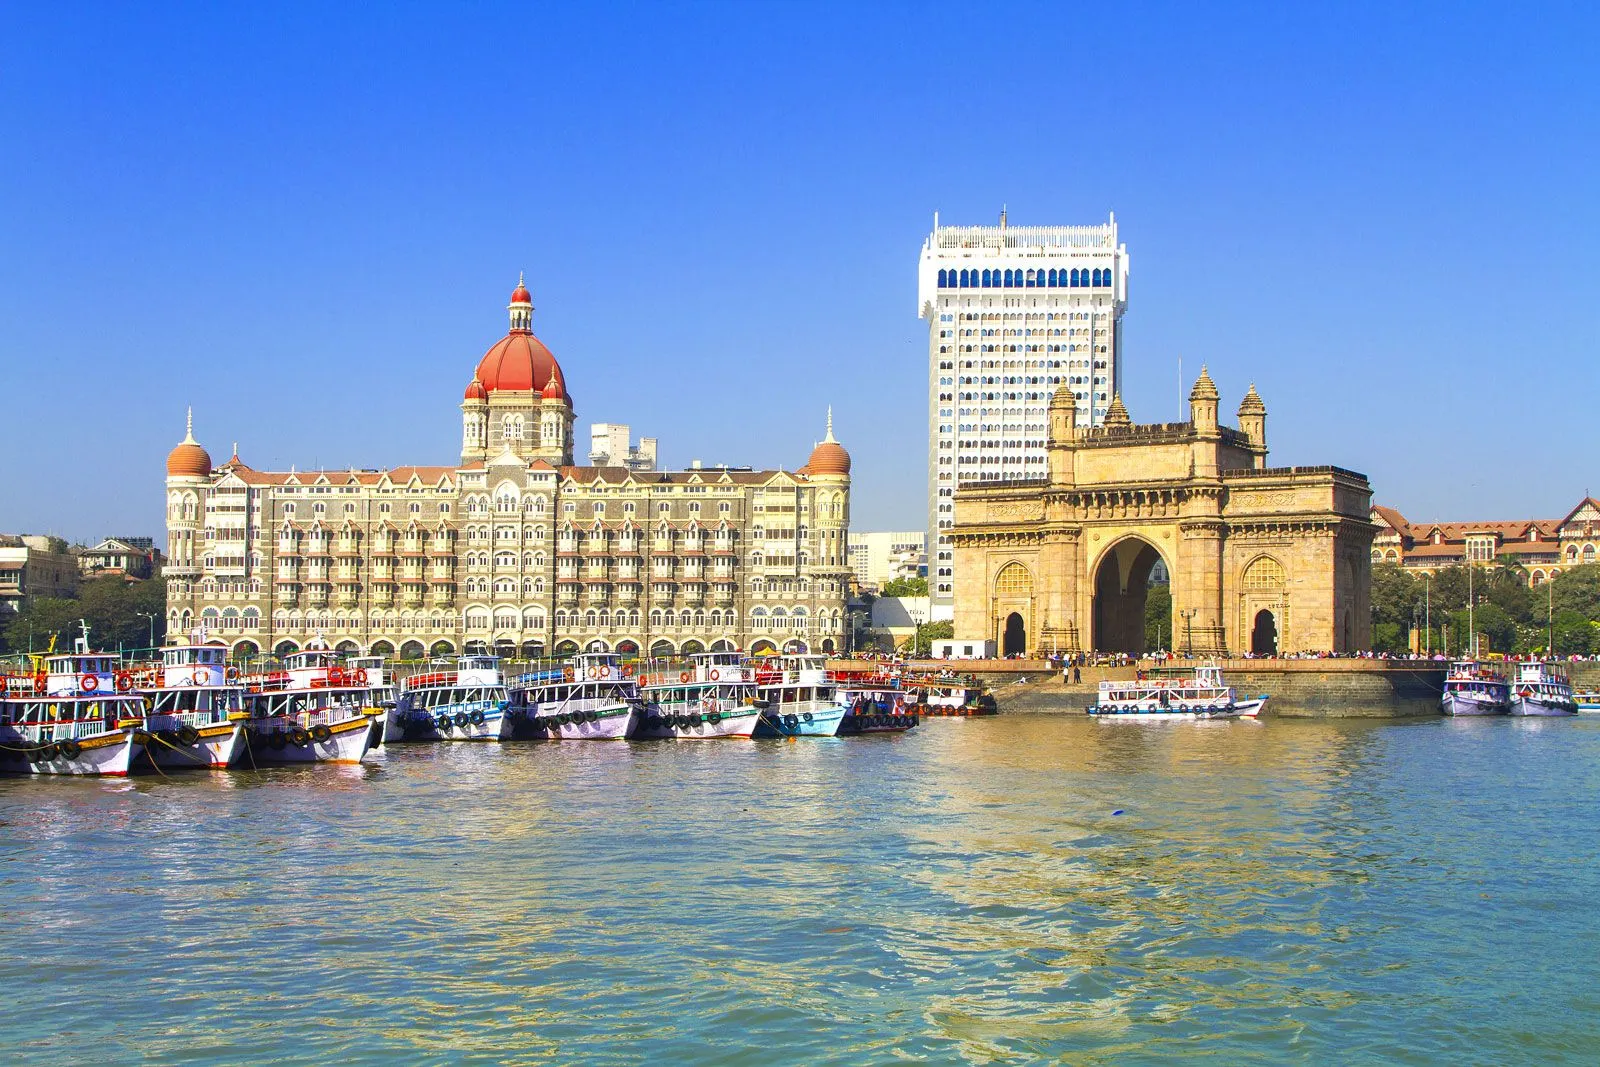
[[964, 284], [1013, 580], [1588, 553], [1264, 574], [941, 279], [1077, 278], [986, 279], [1051, 277]]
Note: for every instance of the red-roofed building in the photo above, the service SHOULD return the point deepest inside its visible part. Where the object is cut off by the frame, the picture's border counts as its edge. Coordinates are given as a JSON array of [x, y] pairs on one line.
[[1543, 548], [515, 548]]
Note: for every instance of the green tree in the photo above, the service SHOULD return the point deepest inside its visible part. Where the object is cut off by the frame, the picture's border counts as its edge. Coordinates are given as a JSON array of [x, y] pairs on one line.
[[111, 606], [921, 642], [1499, 630], [1395, 594], [1158, 617], [905, 587], [1574, 634], [1391, 637], [1576, 590], [46, 616]]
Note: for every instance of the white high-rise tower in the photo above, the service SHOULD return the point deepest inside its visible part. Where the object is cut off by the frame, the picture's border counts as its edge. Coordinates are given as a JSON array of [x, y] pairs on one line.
[[1013, 311]]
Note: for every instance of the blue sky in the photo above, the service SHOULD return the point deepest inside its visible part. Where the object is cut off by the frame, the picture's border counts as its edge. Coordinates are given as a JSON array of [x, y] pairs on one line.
[[305, 221]]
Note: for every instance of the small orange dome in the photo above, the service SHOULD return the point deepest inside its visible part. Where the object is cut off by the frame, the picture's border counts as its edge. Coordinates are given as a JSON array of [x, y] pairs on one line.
[[829, 457], [475, 391], [188, 460]]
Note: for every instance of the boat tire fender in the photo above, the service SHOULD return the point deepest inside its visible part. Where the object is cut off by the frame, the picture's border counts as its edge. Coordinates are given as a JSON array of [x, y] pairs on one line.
[[187, 735], [300, 737], [320, 733], [477, 718], [69, 748]]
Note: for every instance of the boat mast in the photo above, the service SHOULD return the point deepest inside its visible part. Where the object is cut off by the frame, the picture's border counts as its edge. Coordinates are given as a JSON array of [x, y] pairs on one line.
[[1472, 631]]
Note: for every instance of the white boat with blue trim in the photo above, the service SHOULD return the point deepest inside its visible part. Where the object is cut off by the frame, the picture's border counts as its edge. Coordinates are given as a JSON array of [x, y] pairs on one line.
[[75, 715], [715, 697], [593, 698], [465, 704], [797, 698], [315, 710], [1167, 694], [1542, 689], [195, 717], [1473, 688]]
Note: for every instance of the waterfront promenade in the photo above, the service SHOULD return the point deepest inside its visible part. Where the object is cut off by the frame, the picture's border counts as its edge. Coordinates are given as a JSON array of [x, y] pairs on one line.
[[1300, 688]]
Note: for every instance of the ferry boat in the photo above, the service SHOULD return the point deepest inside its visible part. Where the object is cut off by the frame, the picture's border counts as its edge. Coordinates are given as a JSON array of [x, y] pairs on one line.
[[1587, 699], [466, 704], [1175, 693], [947, 696], [796, 698], [76, 714], [875, 710], [1542, 689], [593, 698], [195, 715], [1470, 688], [314, 710], [381, 694], [714, 698]]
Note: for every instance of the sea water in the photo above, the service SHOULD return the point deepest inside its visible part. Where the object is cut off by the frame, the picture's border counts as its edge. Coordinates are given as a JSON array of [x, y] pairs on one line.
[[1018, 888]]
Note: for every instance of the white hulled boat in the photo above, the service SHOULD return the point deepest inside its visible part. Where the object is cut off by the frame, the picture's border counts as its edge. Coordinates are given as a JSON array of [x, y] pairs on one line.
[[1471, 688], [380, 693], [1542, 689], [797, 698], [1175, 693], [714, 697], [195, 716], [465, 704], [594, 697], [314, 710], [76, 714]]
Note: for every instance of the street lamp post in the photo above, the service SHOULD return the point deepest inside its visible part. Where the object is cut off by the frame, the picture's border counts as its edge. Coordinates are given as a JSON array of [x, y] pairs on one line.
[[1188, 629], [1427, 611], [151, 616]]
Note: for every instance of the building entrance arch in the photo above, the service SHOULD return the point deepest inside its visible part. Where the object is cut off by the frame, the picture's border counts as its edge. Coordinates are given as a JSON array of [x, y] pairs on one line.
[[1121, 586], [1264, 634], [1014, 640]]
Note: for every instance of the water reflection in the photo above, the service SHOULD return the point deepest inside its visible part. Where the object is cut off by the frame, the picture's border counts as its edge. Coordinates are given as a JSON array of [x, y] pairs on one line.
[[963, 891]]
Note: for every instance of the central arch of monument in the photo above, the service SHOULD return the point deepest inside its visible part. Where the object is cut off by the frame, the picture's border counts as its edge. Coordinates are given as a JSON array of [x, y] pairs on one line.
[[1121, 589]]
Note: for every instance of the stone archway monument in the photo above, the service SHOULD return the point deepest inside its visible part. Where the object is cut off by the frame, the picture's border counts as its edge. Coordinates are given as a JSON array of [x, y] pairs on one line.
[[1071, 554]]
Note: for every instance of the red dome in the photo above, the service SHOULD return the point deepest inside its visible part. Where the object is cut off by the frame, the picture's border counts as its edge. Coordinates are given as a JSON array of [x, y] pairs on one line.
[[828, 458], [475, 391], [520, 295], [518, 361], [188, 460]]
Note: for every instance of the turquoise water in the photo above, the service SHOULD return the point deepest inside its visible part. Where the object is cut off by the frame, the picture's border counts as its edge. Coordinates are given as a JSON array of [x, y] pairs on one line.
[[1305, 891]]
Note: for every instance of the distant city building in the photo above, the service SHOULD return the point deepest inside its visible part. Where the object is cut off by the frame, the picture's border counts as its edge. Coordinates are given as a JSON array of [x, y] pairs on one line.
[[130, 557], [514, 548], [32, 566], [609, 447], [1013, 313], [895, 620], [1543, 548], [879, 557]]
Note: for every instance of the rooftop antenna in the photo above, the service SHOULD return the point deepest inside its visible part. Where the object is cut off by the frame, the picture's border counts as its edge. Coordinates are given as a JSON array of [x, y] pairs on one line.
[[1002, 216], [81, 645]]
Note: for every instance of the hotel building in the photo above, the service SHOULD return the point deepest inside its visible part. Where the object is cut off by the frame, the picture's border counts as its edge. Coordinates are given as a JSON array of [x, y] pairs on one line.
[[1013, 312], [513, 548]]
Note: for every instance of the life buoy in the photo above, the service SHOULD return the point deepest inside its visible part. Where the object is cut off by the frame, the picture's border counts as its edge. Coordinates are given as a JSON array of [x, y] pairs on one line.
[[594, 673], [233, 674], [568, 674], [627, 672], [336, 676], [716, 675], [197, 676], [124, 681], [605, 670], [684, 677], [90, 683], [361, 676], [644, 679]]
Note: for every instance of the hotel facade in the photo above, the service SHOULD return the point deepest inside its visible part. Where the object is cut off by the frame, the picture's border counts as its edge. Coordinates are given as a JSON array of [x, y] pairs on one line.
[[514, 548], [1014, 313]]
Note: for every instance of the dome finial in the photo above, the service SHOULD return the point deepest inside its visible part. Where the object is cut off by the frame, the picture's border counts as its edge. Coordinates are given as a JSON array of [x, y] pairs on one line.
[[830, 438], [188, 428]]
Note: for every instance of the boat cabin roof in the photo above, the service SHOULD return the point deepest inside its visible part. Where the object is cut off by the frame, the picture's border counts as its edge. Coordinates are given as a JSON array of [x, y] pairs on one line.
[[479, 662], [718, 659], [311, 657], [184, 655], [79, 663]]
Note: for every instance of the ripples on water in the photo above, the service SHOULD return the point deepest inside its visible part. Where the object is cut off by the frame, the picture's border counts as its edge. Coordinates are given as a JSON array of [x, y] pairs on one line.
[[1287, 890]]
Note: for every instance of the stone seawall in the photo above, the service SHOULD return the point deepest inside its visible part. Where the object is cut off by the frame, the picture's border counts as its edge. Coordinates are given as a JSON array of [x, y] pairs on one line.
[[1298, 689]]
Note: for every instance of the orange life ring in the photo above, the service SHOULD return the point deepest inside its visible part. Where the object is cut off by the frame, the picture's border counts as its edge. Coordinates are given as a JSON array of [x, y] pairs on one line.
[[197, 676], [568, 673], [594, 672], [233, 674], [644, 679], [627, 672], [124, 681], [90, 683], [716, 675], [361, 676], [684, 677]]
